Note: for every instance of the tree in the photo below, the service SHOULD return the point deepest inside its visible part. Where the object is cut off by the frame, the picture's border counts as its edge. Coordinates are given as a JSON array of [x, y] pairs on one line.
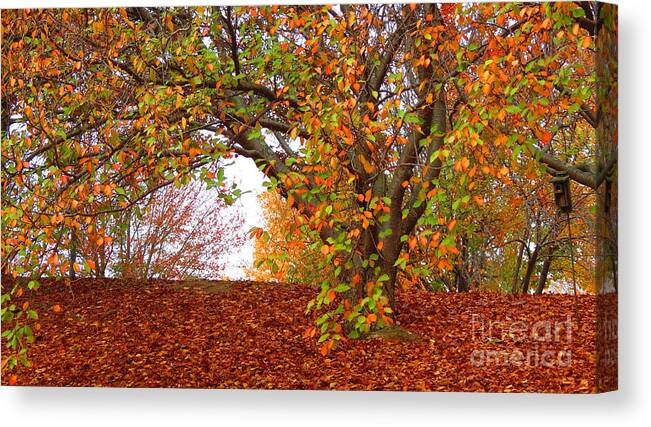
[[375, 111], [175, 233], [285, 250]]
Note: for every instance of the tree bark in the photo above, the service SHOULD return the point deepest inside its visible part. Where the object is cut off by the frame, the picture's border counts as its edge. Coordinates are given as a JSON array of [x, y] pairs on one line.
[[73, 252], [516, 274], [531, 266], [544, 272], [460, 280]]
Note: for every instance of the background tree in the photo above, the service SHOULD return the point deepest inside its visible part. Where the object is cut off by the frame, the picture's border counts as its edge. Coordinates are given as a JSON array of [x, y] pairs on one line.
[[284, 249], [175, 233]]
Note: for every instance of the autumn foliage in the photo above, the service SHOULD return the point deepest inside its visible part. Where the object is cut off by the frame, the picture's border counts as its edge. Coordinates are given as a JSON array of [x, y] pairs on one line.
[[284, 250], [402, 145]]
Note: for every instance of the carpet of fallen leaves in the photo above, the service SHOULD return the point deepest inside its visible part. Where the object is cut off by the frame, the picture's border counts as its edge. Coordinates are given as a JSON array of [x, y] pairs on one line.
[[204, 334]]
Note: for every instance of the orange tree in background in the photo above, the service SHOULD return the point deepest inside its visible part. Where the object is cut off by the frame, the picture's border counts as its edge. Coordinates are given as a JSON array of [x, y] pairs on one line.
[[361, 116], [285, 250]]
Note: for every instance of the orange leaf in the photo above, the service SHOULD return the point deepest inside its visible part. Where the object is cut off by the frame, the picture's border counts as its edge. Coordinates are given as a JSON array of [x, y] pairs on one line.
[[56, 308], [53, 259], [412, 242], [546, 137], [325, 348], [465, 162], [369, 288]]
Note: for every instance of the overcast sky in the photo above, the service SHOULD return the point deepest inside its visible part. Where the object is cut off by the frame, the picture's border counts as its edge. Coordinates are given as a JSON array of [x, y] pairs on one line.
[[248, 179]]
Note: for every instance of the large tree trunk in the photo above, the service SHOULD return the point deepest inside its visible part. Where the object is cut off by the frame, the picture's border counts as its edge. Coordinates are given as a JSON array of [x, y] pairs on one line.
[[102, 264], [516, 273], [531, 267], [73, 252], [544, 272], [460, 280], [461, 274]]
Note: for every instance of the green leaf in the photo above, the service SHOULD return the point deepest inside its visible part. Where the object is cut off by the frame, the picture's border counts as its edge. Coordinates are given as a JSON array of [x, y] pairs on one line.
[[342, 288], [578, 12]]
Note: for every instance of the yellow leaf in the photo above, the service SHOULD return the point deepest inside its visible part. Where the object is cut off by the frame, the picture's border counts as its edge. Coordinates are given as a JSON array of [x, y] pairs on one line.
[[365, 164]]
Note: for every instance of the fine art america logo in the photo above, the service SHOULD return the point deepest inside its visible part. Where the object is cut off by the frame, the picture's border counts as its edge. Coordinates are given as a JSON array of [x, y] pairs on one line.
[[542, 343]]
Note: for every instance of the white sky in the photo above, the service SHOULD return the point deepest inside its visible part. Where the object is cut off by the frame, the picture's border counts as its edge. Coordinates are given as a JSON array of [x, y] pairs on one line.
[[249, 179]]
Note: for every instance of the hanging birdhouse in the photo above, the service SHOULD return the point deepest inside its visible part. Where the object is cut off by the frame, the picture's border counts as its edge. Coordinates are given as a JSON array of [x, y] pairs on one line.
[[562, 195]]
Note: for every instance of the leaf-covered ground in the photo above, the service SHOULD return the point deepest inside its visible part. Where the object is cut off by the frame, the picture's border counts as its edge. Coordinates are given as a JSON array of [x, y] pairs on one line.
[[250, 335]]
